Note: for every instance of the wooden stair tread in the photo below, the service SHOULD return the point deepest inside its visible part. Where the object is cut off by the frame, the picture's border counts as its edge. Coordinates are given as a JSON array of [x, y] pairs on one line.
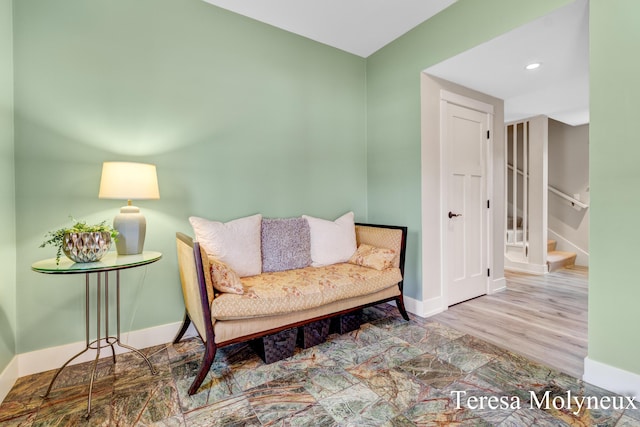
[[560, 259], [560, 255]]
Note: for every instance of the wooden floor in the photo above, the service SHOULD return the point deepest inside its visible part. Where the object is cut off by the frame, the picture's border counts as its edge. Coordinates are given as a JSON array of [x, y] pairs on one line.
[[541, 317]]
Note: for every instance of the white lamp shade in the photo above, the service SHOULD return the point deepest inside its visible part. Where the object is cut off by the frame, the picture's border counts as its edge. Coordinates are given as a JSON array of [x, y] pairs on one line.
[[128, 181]]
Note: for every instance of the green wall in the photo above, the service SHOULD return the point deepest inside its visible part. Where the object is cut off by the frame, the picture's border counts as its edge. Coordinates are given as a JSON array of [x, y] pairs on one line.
[[241, 117], [614, 149], [7, 195], [393, 107], [238, 116]]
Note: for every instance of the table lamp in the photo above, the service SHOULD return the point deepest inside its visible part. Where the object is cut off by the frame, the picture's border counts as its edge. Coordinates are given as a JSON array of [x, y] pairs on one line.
[[127, 181]]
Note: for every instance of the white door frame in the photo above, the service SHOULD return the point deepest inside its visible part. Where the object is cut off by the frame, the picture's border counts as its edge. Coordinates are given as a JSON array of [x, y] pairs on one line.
[[447, 97]]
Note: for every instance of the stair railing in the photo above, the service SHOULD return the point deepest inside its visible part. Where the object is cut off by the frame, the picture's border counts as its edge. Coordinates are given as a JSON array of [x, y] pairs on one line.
[[572, 200]]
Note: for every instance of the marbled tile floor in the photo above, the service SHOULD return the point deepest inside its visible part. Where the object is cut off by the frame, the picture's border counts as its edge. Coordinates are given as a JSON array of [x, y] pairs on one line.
[[388, 373]]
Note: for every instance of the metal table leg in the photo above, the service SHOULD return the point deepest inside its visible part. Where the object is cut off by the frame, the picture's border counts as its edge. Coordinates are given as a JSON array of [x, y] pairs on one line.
[[97, 341], [108, 340], [135, 350], [86, 328]]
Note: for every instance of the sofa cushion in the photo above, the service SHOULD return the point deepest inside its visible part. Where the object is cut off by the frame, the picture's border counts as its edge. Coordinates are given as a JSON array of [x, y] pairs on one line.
[[372, 257], [332, 242], [224, 279], [286, 244], [229, 330], [381, 237], [236, 243], [282, 292]]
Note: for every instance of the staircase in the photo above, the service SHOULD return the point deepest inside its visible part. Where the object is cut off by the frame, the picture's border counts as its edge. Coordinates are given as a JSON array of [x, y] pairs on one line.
[[558, 259]]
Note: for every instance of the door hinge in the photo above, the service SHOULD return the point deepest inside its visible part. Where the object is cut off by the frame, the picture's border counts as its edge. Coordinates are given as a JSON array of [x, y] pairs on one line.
[[488, 134], [488, 204], [488, 272]]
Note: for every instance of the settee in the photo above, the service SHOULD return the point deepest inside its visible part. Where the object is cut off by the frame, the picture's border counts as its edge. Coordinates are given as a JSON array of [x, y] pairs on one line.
[[337, 268]]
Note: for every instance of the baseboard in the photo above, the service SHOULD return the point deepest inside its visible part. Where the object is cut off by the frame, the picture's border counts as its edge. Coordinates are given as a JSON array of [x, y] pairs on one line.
[[54, 357], [523, 267], [433, 306], [436, 305], [8, 378], [498, 285], [614, 379], [414, 306], [417, 307]]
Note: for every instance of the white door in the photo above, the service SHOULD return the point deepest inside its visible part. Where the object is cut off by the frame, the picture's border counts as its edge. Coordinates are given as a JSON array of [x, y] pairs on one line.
[[465, 144]]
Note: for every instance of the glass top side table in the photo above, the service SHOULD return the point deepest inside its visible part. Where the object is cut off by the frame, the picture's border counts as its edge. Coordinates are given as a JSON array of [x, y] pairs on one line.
[[110, 262]]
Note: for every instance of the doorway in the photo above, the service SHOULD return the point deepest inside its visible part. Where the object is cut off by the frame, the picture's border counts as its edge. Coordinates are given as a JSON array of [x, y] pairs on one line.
[[465, 142], [480, 177]]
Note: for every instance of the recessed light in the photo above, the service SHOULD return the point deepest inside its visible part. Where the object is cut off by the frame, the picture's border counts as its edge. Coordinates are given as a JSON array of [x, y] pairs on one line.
[[533, 66]]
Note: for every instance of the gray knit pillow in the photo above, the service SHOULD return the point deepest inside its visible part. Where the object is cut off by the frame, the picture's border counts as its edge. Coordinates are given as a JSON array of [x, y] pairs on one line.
[[286, 244]]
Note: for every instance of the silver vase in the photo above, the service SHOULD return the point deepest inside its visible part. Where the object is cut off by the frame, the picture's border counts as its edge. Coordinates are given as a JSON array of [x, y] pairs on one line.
[[86, 246]]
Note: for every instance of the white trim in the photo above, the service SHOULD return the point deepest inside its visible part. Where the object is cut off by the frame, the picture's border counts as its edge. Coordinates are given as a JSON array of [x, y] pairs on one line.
[[464, 101], [611, 378], [414, 306], [8, 378], [53, 357], [488, 163], [497, 285], [525, 267], [489, 184], [537, 269], [444, 163], [433, 306], [418, 307]]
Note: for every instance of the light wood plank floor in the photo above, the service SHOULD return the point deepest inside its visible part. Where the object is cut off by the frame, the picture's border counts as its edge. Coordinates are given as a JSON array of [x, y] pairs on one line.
[[541, 317]]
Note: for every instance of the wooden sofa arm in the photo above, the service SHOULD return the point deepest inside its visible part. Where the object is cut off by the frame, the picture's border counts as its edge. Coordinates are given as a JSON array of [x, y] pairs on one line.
[[194, 289], [385, 236]]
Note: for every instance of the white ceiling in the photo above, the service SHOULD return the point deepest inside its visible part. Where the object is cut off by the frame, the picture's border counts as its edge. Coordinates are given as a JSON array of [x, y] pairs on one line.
[[360, 27], [558, 89]]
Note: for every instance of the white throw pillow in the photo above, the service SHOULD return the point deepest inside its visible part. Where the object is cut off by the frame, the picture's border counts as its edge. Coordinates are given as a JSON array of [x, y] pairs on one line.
[[332, 241], [236, 243]]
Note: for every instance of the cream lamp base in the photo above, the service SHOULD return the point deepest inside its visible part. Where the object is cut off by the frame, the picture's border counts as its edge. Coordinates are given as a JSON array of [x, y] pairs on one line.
[[132, 227]]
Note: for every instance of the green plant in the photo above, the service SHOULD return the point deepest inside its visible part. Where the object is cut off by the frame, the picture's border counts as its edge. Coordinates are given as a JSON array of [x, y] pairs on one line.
[[56, 238]]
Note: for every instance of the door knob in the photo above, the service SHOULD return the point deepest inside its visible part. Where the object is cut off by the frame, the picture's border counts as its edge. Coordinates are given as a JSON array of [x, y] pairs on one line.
[[452, 215]]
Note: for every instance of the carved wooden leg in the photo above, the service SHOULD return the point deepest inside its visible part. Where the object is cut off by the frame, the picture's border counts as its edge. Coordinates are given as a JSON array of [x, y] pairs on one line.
[[185, 324], [401, 309], [205, 365]]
